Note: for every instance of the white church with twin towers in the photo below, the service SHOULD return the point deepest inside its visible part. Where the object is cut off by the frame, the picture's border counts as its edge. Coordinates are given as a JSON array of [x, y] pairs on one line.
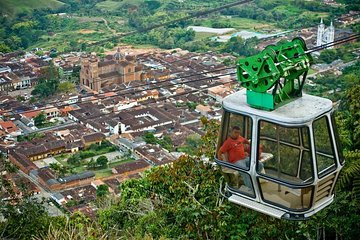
[[325, 34]]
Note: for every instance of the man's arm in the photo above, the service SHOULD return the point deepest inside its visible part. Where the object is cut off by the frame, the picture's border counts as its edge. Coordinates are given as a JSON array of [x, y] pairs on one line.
[[222, 153], [246, 141], [247, 145]]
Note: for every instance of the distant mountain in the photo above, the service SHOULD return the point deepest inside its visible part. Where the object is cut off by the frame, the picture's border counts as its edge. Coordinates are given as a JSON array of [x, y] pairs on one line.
[[13, 7]]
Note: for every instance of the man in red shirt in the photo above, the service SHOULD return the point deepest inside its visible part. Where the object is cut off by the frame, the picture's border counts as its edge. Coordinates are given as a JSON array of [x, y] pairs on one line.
[[233, 149]]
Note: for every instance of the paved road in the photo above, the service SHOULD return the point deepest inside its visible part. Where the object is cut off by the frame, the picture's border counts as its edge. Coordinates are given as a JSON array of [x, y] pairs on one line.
[[69, 123], [44, 194], [21, 92], [340, 66]]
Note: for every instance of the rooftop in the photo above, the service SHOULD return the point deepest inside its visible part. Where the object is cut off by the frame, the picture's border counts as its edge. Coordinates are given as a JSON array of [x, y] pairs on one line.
[[9, 126], [298, 111], [75, 177], [131, 166], [94, 137]]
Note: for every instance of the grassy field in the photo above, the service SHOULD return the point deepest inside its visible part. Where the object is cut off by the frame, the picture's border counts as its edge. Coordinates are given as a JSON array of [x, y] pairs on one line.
[[109, 5], [83, 30], [113, 164], [113, 5], [13, 7], [80, 30], [246, 23], [240, 23], [316, 14], [202, 35], [99, 172], [103, 173]]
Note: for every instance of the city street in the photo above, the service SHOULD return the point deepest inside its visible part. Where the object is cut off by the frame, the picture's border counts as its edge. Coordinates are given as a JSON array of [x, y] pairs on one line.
[[44, 195], [21, 92]]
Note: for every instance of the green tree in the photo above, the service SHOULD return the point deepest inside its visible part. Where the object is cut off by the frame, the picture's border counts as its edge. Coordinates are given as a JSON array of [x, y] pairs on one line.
[[328, 55], [5, 166], [102, 191], [152, 4], [32, 100], [49, 73], [20, 98], [46, 88], [350, 176], [91, 164], [349, 123], [13, 42], [66, 87], [53, 55], [75, 160], [192, 144], [76, 74], [167, 143], [240, 46], [149, 138], [191, 105], [351, 115], [40, 119], [59, 170], [39, 53], [55, 167], [4, 48], [24, 220], [102, 161], [73, 44]]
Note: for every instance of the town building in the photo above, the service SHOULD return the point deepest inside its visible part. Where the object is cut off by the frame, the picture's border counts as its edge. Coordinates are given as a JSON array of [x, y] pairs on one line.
[[58, 142], [155, 155], [114, 69], [325, 35], [129, 168]]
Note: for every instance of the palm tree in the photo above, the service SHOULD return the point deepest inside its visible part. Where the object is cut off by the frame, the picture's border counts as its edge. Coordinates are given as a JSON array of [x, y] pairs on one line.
[[350, 176]]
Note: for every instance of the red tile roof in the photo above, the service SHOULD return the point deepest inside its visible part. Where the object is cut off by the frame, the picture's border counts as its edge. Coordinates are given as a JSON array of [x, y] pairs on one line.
[[67, 109], [31, 114], [8, 126]]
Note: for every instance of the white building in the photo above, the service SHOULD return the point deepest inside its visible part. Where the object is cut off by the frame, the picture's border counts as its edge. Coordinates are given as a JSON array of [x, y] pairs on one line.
[[325, 35]]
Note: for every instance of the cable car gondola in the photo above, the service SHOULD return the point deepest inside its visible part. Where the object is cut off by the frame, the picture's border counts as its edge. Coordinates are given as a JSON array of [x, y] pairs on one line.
[[278, 149]]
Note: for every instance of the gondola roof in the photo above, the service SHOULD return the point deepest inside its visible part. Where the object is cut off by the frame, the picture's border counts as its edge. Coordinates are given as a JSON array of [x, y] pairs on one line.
[[298, 111]]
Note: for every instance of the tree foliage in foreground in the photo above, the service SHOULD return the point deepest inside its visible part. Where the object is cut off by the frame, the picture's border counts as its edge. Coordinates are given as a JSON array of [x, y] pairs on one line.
[[182, 201]]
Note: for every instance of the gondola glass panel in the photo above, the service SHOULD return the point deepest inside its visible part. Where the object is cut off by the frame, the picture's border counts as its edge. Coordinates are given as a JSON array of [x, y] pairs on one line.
[[325, 160], [285, 157], [234, 150], [337, 139]]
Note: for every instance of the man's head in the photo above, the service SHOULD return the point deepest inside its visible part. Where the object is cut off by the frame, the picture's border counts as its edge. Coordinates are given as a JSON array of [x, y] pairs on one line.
[[235, 132]]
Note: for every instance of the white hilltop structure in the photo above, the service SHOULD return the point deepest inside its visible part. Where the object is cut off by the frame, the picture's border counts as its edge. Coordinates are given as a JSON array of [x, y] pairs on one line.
[[325, 35]]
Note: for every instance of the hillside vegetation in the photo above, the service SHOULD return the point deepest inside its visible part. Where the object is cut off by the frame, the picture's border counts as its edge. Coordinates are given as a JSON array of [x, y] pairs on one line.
[[182, 200], [100, 20], [14, 7]]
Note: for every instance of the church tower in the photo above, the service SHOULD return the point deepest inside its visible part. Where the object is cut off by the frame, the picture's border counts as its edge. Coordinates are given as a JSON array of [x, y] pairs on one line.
[[325, 35], [320, 33], [331, 34], [118, 56]]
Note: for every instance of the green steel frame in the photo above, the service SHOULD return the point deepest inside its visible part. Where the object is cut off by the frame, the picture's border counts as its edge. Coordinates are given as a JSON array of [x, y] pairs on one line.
[[276, 75]]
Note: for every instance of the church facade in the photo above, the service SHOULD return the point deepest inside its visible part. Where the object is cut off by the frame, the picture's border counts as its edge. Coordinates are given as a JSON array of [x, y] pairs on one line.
[[114, 69], [325, 34]]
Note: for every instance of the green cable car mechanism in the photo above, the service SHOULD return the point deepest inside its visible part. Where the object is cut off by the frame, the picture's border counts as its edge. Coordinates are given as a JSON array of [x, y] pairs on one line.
[[292, 153]]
